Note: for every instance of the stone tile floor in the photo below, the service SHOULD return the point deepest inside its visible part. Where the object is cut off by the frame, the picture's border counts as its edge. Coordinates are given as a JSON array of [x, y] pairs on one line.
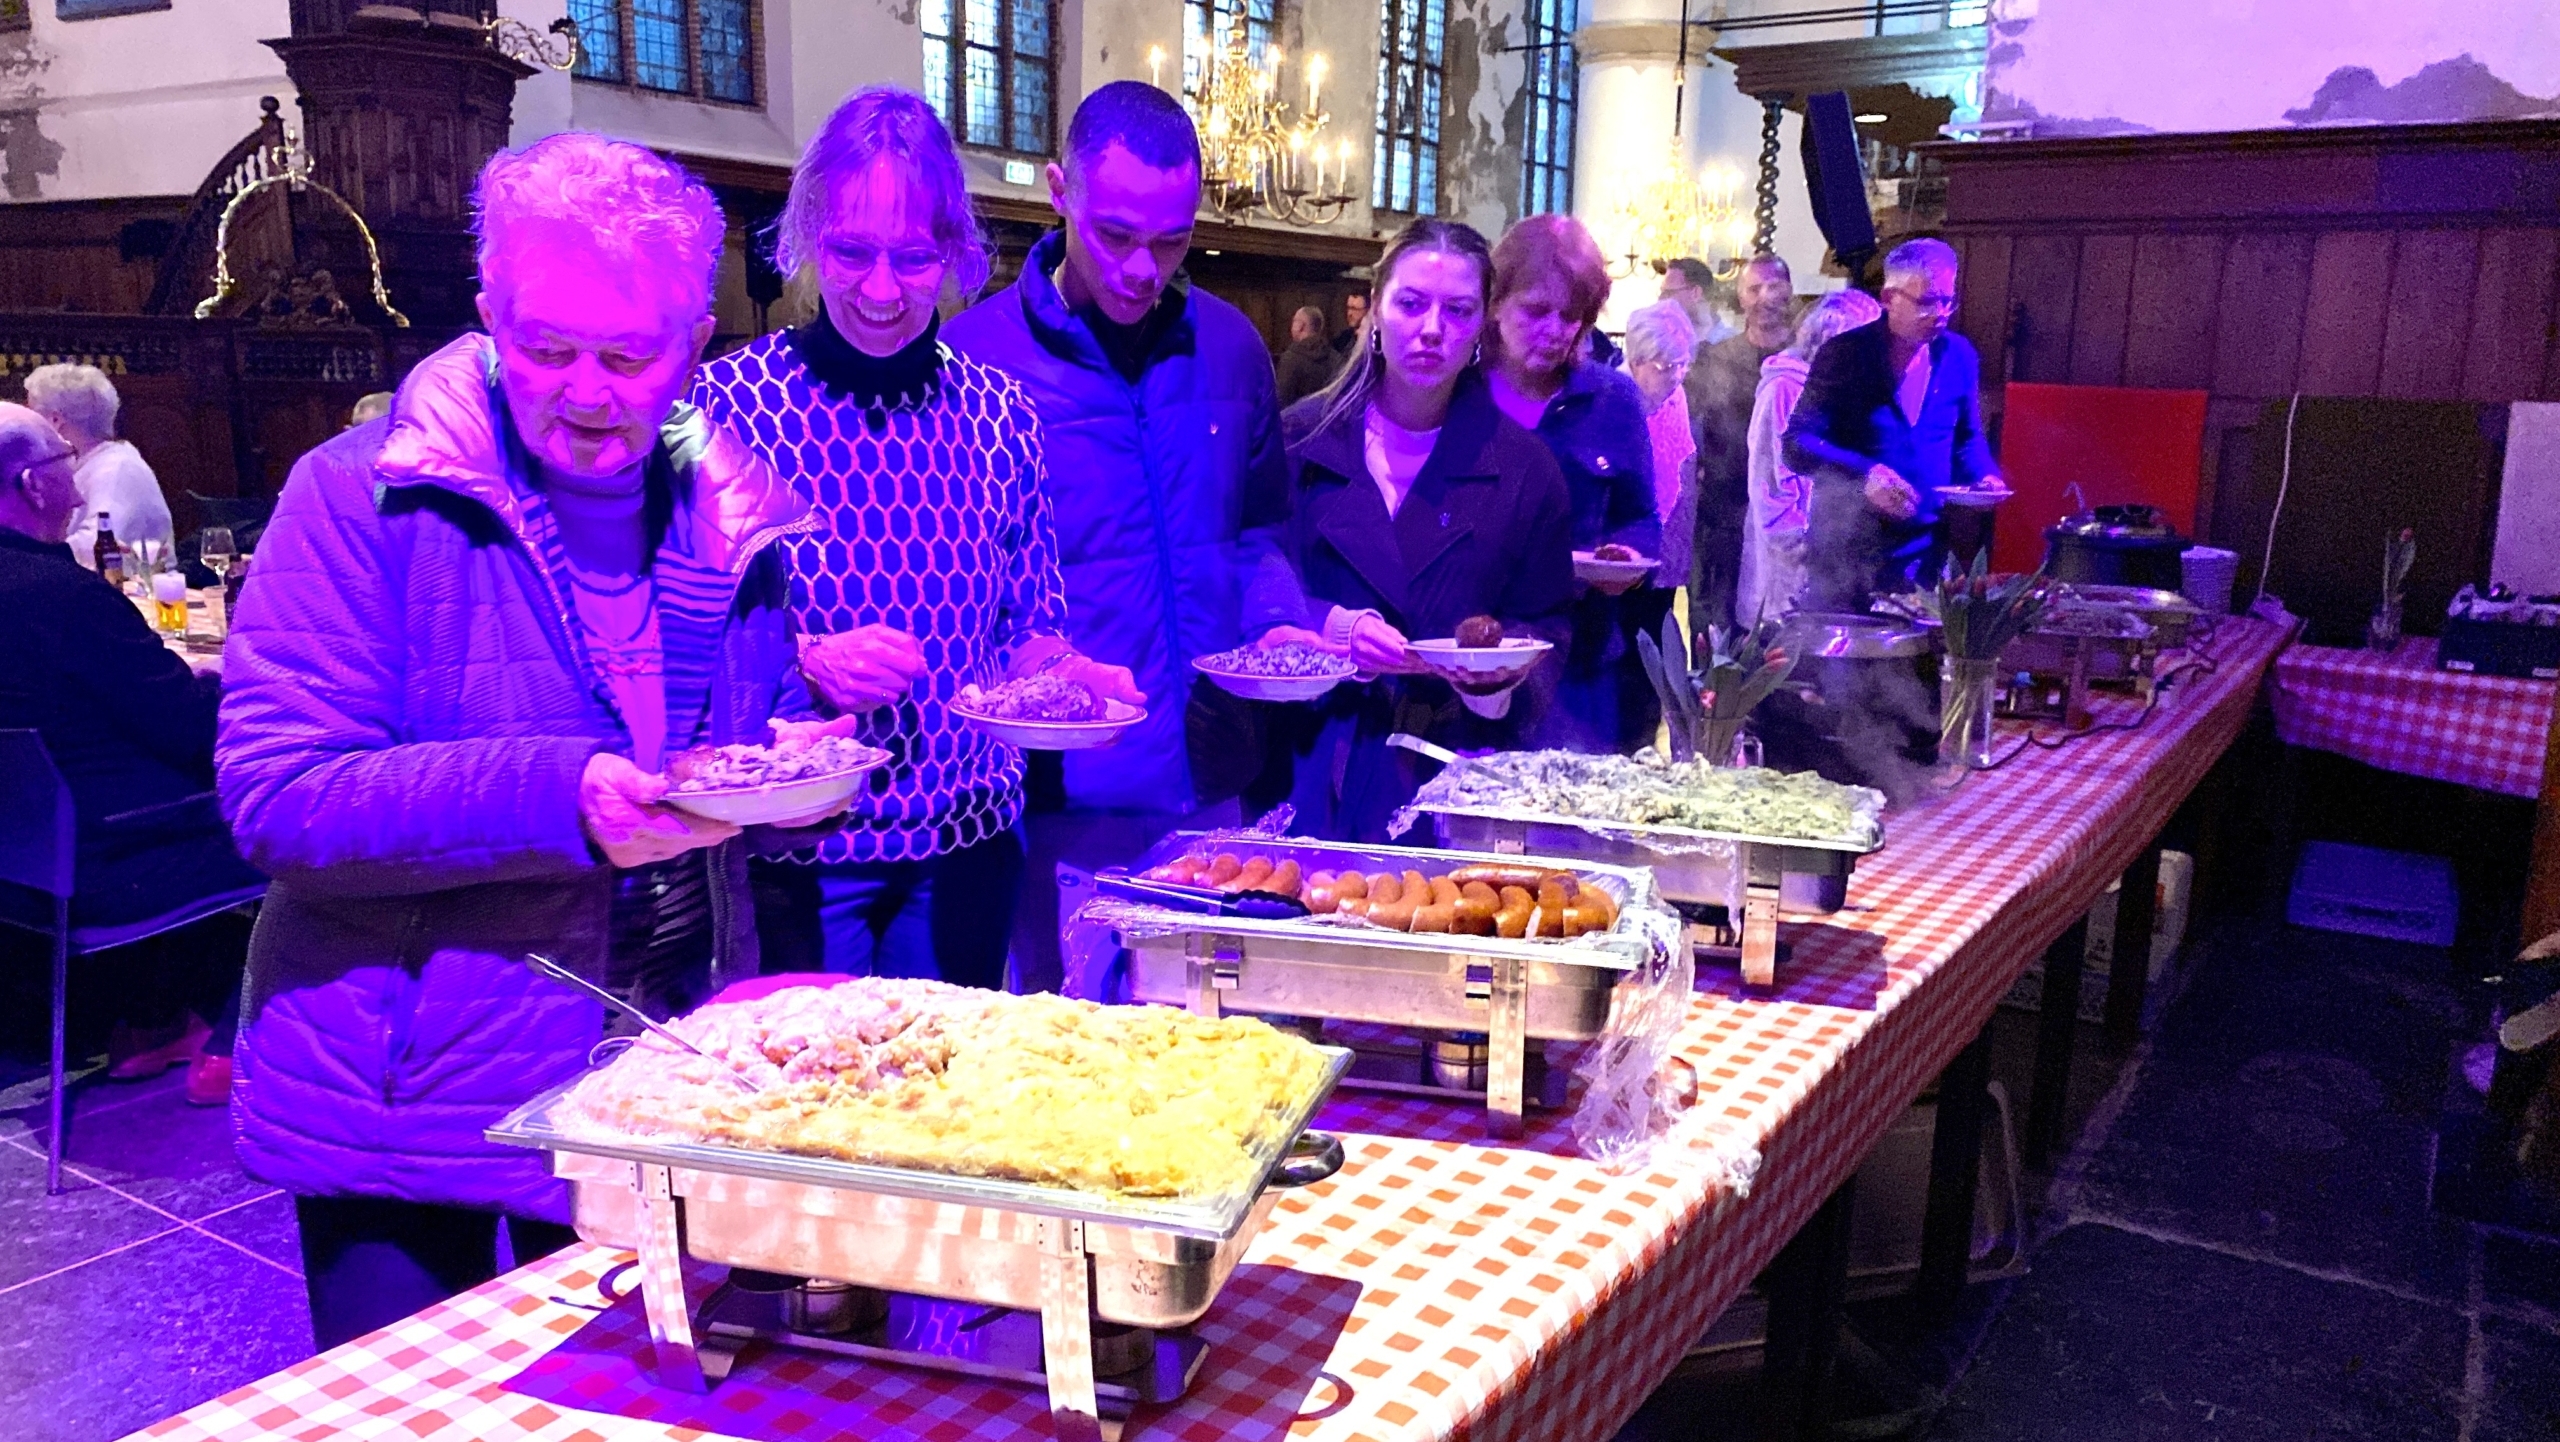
[[2239, 1247]]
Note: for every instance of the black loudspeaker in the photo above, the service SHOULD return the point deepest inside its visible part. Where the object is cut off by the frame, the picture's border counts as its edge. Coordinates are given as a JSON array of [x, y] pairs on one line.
[[1837, 181]]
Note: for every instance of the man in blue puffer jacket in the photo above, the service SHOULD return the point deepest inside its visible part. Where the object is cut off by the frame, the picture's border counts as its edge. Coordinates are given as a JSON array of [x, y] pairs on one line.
[[1162, 423]]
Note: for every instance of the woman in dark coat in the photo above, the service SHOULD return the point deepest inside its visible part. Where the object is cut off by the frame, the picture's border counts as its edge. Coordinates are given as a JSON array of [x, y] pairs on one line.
[[1415, 504], [1549, 283]]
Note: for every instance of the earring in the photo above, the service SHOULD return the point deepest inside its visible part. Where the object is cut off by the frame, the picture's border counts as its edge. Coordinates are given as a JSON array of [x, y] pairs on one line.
[[1377, 344]]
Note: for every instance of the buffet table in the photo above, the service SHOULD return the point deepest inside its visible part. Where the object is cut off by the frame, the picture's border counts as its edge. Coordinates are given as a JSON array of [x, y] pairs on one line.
[[2396, 711], [1437, 1286]]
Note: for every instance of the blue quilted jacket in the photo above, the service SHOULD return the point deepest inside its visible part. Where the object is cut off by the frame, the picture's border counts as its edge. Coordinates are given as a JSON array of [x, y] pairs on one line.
[[407, 712], [1165, 492]]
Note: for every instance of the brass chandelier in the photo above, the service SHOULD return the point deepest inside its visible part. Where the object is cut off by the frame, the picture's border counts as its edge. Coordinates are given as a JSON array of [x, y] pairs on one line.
[[1256, 157]]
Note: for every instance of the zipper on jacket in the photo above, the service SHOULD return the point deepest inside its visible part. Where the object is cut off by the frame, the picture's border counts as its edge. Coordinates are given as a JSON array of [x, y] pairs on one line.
[[1166, 572]]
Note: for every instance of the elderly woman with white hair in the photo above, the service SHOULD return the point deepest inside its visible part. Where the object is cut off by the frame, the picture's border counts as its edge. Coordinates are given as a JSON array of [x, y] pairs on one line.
[[115, 481], [1661, 342], [1781, 498], [481, 625], [931, 562]]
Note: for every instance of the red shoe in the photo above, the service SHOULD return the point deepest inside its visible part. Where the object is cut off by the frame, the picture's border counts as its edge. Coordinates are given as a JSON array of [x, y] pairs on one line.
[[209, 1081], [134, 1055]]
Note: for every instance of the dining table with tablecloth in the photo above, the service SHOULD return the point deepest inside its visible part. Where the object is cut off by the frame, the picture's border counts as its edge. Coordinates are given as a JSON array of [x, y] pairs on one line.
[[1439, 1285]]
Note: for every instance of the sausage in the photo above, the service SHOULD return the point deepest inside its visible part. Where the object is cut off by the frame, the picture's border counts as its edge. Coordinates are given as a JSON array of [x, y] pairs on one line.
[[1444, 892], [1182, 871], [1319, 895], [1383, 887], [1512, 921], [1418, 887], [1257, 870], [1351, 885], [1436, 916], [1396, 915], [1285, 880], [1600, 906], [1478, 904], [1499, 874], [1222, 868], [1555, 893]]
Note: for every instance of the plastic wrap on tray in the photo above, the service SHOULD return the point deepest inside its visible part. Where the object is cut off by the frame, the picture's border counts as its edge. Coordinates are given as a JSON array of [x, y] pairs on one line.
[[1649, 799], [1624, 1112]]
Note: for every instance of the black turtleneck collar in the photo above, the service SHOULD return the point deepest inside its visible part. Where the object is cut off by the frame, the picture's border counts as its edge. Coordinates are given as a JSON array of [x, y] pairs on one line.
[[904, 379]]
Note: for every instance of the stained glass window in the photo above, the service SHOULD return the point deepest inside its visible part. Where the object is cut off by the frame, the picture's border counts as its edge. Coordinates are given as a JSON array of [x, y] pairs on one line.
[[1546, 179], [990, 69], [705, 49], [1206, 24], [1411, 45]]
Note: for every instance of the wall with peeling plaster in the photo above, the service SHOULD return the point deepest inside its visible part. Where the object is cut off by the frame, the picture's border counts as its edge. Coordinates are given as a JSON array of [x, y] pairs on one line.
[[2105, 67], [133, 105]]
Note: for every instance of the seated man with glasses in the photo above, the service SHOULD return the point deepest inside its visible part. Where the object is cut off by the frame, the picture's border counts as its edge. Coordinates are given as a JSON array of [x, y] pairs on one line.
[[131, 730], [1890, 428]]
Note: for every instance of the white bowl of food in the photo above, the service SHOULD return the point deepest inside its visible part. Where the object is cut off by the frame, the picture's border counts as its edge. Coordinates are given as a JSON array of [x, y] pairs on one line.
[[1045, 713], [1480, 660], [1973, 498], [1290, 671], [762, 785], [1612, 566]]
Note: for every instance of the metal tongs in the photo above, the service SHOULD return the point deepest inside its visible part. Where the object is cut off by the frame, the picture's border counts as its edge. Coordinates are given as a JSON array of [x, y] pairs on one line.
[[1248, 905], [557, 972]]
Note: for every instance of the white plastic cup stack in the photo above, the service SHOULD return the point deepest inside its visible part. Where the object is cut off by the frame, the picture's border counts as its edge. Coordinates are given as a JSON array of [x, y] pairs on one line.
[[2207, 575]]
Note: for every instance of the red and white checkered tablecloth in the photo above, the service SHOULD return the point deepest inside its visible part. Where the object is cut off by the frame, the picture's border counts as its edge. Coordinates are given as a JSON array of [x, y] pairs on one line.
[[1439, 1286], [2396, 711]]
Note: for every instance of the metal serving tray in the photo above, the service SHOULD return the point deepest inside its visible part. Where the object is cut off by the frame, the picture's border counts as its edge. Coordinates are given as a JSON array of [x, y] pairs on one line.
[[1511, 991], [1078, 1259], [1776, 870]]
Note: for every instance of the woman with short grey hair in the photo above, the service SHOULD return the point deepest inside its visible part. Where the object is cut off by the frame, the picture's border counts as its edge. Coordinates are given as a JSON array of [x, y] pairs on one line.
[[1781, 499], [933, 564], [115, 481], [1660, 344]]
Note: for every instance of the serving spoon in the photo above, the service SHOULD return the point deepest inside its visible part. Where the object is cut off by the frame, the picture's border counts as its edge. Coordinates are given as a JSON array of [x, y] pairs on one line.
[[557, 972]]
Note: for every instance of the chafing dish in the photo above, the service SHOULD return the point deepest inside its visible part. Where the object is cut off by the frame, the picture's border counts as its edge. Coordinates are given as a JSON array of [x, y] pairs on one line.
[[1770, 872], [1512, 992], [2171, 615], [1122, 1275]]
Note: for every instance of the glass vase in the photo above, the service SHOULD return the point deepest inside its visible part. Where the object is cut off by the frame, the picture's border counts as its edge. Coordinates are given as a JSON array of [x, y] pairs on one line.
[[1727, 743], [1965, 693], [2382, 628]]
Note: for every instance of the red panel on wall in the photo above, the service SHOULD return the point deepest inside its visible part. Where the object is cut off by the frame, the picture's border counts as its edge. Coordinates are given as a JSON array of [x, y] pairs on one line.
[[2119, 445]]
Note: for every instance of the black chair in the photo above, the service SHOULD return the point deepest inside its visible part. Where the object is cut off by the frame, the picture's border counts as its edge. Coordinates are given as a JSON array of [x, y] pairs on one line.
[[38, 845]]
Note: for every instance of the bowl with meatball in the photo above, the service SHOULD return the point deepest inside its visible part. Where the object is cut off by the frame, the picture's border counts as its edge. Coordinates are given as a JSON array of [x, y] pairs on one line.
[[1480, 660], [1612, 565], [1045, 713]]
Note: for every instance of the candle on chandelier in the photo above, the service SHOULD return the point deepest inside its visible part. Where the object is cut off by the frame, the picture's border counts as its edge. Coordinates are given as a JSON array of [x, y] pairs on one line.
[[1297, 157], [1155, 66], [1316, 68]]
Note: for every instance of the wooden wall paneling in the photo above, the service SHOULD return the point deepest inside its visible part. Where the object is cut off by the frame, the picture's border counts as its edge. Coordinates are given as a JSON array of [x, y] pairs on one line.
[[2266, 284], [2512, 315], [2098, 314], [2043, 283], [2177, 278], [1984, 304], [2343, 326], [2428, 328]]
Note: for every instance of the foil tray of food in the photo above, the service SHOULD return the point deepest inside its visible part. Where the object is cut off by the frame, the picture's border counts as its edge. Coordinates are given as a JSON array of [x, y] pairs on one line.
[[1745, 840], [1512, 949]]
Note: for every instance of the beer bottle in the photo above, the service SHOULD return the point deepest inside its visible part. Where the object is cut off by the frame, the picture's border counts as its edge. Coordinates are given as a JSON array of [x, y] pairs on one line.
[[110, 556]]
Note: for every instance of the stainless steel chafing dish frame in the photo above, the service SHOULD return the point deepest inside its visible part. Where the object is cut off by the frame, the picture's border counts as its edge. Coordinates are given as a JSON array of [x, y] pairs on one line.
[[1685, 875], [1076, 1258], [1511, 991]]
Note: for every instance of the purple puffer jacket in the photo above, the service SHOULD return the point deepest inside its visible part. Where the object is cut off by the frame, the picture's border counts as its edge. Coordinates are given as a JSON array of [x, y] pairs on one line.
[[406, 717]]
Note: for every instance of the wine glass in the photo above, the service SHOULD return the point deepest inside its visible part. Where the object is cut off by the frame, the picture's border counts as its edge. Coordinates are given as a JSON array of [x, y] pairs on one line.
[[218, 553]]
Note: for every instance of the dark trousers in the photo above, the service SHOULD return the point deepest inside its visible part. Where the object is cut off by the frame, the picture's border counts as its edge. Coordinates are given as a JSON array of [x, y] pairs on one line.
[[948, 918], [370, 1261]]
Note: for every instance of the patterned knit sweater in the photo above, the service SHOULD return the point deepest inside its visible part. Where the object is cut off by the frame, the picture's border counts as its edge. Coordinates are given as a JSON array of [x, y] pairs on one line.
[[933, 517]]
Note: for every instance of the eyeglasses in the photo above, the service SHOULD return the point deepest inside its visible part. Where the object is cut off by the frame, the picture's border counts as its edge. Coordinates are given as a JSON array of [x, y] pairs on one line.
[[61, 457], [855, 257]]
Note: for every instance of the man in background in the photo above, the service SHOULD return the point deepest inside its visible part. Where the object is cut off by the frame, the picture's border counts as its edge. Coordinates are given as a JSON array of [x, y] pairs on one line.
[[1162, 422], [1309, 362], [115, 481], [1691, 285], [1890, 429], [1355, 309], [1720, 387]]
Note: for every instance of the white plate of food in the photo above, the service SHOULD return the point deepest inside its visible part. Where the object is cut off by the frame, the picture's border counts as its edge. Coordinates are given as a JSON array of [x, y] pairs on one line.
[[1290, 671], [1045, 713], [761, 785], [1973, 498], [1612, 565], [1480, 659]]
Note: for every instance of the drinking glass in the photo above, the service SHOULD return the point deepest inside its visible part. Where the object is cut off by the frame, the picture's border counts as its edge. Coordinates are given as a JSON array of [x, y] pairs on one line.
[[218, 552]]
